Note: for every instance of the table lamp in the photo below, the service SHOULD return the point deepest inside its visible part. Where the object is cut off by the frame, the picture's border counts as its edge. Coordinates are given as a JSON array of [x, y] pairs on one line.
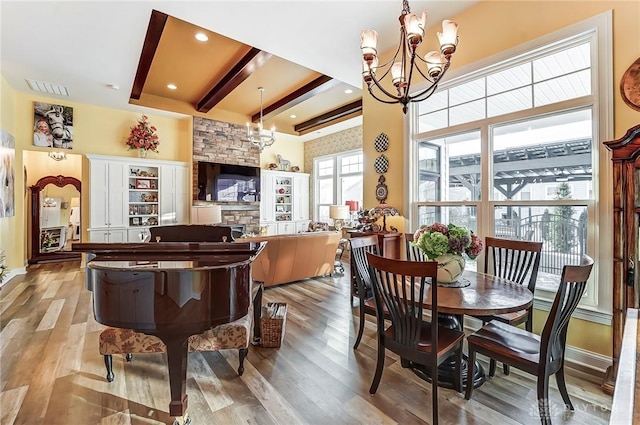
[[339, 213], [354, 206], [206, 214]]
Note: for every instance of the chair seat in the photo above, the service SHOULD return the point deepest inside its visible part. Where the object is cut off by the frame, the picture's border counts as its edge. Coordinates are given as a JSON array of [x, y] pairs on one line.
[[514, 318], [447, 338], [234, 335], [509, 341]]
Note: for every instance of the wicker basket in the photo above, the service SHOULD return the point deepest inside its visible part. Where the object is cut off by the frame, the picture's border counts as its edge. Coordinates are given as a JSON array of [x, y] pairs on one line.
[[272, 323]]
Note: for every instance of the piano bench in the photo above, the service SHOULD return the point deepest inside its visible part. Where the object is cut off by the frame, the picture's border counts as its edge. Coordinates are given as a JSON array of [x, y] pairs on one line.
[[234, 335]]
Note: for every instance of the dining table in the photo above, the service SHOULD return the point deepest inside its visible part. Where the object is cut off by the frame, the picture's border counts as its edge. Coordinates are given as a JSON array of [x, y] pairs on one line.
[[475, 293]]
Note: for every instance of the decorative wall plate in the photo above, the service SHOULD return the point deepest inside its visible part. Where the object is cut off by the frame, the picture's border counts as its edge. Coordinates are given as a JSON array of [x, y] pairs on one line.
[[381, 164], [630, 86], [381, 143], [381, 190]]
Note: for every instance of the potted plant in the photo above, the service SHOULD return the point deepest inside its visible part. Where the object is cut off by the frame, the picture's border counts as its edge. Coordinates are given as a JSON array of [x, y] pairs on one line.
[[446, 245]]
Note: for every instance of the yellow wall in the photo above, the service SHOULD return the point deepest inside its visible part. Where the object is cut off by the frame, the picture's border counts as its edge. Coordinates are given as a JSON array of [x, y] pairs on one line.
[[97, 130], [11, 238], [289, 149], [485, 30]]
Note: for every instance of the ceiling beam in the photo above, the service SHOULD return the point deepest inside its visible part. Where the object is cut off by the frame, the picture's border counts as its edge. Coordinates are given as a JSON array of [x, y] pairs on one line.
[[343, 111], [149, 47], [305, 92], [240, 72]]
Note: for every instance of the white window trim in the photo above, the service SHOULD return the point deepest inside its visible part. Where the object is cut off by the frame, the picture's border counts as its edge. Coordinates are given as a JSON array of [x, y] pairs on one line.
[[602, 88], [336, 180]]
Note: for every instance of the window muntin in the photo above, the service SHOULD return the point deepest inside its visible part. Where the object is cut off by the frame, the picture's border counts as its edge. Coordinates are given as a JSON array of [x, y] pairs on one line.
[[547, 78]]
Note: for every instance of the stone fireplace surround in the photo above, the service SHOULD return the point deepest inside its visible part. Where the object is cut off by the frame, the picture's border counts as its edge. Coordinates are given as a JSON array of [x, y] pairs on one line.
[[223, 142]]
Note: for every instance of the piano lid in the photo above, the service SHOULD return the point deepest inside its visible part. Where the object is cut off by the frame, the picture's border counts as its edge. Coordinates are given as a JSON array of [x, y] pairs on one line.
[[199, 252]]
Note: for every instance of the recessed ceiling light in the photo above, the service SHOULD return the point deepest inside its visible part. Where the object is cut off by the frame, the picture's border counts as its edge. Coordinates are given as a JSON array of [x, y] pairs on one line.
[[201, 36], [114, 86], [293, 116], [348, 91], [172, 86]]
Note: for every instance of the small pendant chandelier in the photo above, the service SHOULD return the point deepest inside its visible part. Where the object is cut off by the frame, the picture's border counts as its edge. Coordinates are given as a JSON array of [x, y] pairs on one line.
[[402, 69], [259, 136]]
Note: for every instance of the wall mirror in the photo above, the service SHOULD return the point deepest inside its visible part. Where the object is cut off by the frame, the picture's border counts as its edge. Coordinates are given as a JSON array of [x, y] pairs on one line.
[[55, 218]]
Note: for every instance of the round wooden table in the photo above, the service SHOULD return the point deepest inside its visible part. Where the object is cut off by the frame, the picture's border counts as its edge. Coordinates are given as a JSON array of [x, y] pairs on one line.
[[485, 295]]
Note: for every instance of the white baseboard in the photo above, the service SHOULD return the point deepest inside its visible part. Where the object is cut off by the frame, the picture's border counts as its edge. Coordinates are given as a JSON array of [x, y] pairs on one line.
[[11, 274], [573, 355]]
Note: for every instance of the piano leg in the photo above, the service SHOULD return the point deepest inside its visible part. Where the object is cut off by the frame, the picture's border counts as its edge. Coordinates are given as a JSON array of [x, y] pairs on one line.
[[177, 351]]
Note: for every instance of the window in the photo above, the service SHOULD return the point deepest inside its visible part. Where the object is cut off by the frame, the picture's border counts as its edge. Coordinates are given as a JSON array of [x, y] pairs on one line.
[[338, 178], [512, 149]]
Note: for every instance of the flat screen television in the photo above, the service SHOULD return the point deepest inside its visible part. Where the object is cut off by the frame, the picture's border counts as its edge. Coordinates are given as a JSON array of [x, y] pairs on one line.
[[227, 182]]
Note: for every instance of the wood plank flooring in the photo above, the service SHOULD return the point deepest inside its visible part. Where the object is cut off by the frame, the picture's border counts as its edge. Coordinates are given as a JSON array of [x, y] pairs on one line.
[[51, 372]]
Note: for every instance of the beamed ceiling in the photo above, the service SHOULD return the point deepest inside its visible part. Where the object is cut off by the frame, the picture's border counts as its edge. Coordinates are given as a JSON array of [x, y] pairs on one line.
[[222, 74]]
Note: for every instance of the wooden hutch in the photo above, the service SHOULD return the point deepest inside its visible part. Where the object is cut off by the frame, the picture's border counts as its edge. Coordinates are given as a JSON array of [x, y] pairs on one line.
[[626, 230]]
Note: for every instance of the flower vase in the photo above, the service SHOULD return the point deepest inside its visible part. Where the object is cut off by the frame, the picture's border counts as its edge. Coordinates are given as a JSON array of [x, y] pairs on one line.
[[142, 153], [450, 267]]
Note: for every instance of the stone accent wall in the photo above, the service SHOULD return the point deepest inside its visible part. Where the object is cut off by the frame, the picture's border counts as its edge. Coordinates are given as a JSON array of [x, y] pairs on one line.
[[226, 143]]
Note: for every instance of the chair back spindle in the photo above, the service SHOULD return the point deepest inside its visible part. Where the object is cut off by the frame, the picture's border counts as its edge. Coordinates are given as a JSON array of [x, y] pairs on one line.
[[413, 253], [360, 275], [573, 283], [513, 260]]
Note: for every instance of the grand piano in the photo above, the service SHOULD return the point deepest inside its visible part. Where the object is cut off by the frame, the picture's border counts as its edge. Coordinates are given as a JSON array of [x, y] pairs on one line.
[[170, 290]]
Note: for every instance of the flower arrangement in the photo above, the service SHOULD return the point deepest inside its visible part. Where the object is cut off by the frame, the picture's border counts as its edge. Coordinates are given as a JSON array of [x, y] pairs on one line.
[[438, 239], [143, 136]]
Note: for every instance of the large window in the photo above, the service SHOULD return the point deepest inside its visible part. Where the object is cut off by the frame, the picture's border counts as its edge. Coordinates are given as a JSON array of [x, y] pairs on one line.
[[512, 149], [338, 178]]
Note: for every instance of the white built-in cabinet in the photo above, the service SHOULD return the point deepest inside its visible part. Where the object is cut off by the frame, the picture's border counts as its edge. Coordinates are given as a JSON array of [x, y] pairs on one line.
[[284, 202], [129, 195], [174, 181]]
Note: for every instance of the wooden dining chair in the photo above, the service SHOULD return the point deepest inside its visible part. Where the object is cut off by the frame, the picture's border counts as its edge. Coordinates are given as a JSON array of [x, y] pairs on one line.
[[517, 261], [540, 355], [360, 271], [401, 286], [413, 253]]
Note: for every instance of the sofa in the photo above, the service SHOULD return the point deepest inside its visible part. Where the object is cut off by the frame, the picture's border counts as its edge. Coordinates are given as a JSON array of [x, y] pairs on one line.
[[288, 258]]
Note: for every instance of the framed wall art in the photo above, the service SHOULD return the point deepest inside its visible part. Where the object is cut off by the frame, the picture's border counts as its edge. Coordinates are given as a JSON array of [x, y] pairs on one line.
[[7, 176], [52, 125]]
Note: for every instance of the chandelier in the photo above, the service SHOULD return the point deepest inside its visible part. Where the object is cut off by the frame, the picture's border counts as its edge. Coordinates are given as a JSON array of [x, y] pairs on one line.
[[57, 156], [402, 68], [259, 136]]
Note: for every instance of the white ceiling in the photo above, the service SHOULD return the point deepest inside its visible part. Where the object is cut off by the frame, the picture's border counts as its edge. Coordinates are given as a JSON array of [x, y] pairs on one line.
[[89, 45]]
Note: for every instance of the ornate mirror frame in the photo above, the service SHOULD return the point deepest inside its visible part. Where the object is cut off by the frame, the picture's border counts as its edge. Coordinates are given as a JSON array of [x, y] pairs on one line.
[[36, 255]]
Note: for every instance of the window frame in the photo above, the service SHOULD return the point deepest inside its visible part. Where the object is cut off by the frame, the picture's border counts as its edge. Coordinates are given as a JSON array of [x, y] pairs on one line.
[[337, 179], [598, 31]]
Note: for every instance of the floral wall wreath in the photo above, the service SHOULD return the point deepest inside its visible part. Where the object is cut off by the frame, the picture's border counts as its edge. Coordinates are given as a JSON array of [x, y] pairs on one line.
[[143, 136]]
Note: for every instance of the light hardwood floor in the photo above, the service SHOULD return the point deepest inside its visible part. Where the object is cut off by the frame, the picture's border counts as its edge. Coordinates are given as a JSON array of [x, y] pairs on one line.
[[51, 372]]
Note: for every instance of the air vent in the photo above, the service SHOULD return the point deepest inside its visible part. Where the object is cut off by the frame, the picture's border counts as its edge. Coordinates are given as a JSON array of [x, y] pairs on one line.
[[48, 87]]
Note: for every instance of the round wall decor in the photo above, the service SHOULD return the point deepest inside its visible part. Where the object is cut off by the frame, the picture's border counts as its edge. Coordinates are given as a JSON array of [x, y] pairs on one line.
[[630, 86], [381, 190], [381, 143], [381, 164]]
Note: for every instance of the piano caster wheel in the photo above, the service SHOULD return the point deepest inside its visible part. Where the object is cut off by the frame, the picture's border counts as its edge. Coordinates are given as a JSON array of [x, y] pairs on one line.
[[182, 420]]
